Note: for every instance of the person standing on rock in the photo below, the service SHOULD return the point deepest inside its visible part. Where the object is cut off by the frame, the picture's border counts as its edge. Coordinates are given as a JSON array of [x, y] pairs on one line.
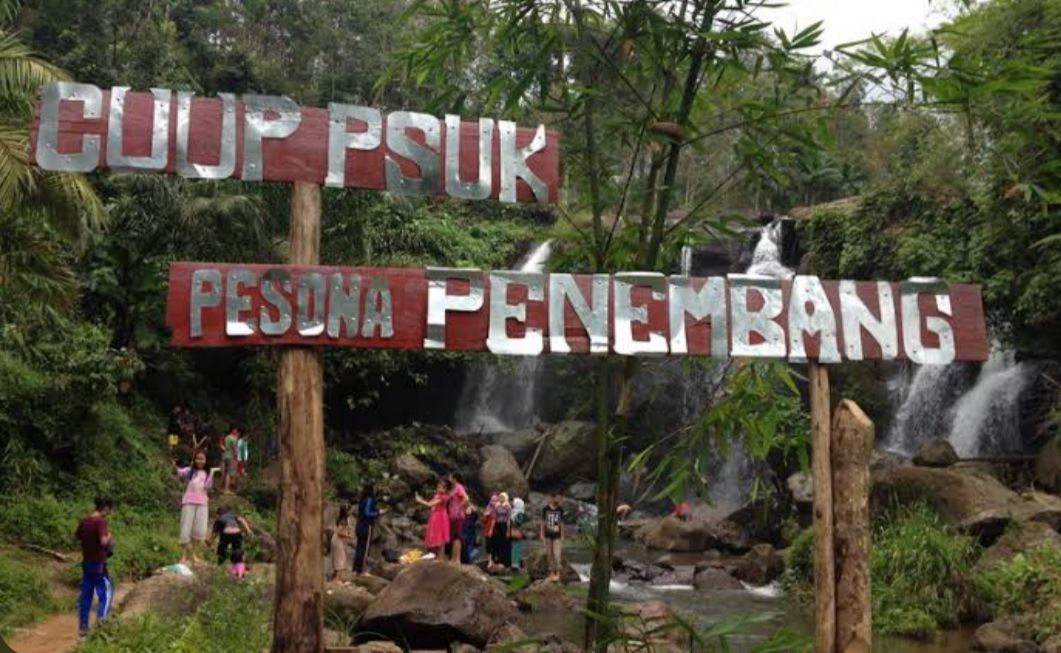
[[502, 520], [337, 545], [468, 535], [515, 532], [552, 535], [436, 535], [456, 502], [367, 512], [195, 505], [489, 519], [95, 538]]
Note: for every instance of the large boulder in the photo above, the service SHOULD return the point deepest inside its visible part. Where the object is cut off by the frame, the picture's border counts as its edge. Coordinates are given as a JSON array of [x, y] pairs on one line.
[[936, 453], [713, 579], [680, 575], [433, 605], [673, 534], [801, 487], [655, 625], [346, 601], [967, 497], [413, 470], [760, 566], [1021, 538], [543, 596], [583, 491], [538, 568], [521, 443], [166, 594], [565, 456], [1002, 636], [1048, 466], [760, 520], [499, 472]]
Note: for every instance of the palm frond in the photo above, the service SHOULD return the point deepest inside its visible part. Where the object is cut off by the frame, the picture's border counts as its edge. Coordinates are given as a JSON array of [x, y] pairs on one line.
[[16, 177], [22, 73]]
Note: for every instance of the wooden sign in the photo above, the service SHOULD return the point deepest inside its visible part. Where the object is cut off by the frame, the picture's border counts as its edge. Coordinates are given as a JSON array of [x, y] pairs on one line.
[[524, 313], [81, 128]]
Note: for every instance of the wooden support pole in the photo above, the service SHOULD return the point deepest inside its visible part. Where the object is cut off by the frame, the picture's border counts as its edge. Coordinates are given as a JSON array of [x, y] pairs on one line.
[[298, 618], [852, 440], [821, 469]]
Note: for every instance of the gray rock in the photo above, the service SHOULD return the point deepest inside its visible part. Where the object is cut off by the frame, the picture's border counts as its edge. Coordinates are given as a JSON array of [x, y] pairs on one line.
[[1019, 538], [521, 443], [538, 568], [713, 579], [673, 534], [936, 453], [411, 469], [499, 472], [346, 601], [802, 488], [1002, 636], [567, 454], [760, 566], [433, 605], [583, 491], [1048, 466], [681, 575]]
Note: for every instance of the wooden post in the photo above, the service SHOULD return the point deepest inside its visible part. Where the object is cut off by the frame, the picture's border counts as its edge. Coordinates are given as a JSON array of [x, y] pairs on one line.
[[852, 441], [298, 618], [821, 464]]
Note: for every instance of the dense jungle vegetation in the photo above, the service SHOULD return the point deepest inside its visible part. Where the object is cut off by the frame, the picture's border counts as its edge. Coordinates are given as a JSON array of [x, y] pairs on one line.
[[922, 155]]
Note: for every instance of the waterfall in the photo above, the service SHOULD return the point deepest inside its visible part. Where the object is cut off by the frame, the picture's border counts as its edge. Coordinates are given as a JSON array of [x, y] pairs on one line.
[[986, 420], [686, 260], [979, 415], [766, 259], [497, 398]]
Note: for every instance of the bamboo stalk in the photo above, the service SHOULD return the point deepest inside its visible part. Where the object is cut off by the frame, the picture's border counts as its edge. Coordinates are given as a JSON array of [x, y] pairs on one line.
[[821, 469]]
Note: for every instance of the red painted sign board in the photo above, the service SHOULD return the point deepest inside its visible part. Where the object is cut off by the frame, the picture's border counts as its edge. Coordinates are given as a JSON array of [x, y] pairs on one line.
[[225, 305], [80, 128]]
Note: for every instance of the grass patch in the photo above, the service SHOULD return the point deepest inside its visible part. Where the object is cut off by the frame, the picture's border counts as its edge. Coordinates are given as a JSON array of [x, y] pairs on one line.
[[25, 595], [233, 618], [919, 569], [1027, 587]]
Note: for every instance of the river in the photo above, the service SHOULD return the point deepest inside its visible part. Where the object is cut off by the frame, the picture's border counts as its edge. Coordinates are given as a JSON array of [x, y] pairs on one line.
[[765, 610]]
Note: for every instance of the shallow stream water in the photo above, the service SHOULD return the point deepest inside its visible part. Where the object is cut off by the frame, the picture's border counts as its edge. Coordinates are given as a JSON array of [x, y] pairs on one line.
[[767, 609]]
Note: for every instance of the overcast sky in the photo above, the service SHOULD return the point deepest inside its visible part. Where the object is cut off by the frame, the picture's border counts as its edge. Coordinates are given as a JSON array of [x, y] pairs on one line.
[[852, 20]]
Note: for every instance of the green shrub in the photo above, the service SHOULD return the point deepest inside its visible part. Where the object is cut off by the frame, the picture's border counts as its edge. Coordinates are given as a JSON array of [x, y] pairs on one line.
[[1028, 587], [343, 472], [24, 593], [232, 619], [919, 567], [44, 521]]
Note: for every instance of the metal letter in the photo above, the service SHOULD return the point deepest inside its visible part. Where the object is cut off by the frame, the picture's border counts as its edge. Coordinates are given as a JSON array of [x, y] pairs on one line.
[[438, 301], [498, 340], [344, 307], [745, 321], [594, 318], [471, 190], [226, 164], [379, 311], [236, 303], [424, 156], [159, 156], [340, 140], [514, 163], [821, 320], [202, 298], [626, 313], [710, 301], [311, 325], [257, 127], [278, 301], [856, 316], [915, 349], [48, 157]]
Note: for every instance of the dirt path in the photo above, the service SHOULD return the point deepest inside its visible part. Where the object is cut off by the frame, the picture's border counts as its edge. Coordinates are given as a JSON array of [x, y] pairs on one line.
[[57, 634]]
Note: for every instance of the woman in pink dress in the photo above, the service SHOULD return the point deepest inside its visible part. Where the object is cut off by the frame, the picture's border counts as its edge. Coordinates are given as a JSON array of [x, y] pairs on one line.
[[437, 533]]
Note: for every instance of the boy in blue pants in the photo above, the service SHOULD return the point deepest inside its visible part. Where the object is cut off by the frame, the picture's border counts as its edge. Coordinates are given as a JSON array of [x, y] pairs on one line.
[[95, 539]]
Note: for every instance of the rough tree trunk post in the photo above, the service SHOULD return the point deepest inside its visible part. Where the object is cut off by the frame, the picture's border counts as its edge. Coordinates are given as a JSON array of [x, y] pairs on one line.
[[821, 464], [298, 618], [852, 440]]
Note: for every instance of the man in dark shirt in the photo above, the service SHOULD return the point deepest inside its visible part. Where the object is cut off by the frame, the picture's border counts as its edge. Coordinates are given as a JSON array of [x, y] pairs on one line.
[[552, 535], [95, 539]]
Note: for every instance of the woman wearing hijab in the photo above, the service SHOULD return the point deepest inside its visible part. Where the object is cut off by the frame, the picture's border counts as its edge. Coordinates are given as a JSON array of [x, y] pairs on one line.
[[515, 532], [502, 518], [489, 519]]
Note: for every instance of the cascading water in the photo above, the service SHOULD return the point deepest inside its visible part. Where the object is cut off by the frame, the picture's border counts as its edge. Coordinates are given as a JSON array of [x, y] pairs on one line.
[[766, 259], [496, 399], [986, 420], [979, 414]]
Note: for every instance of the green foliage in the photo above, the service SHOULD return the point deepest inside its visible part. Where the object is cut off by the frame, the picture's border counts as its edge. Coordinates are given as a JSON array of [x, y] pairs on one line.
[[344, 473], [41, 520], [919, 569], [1028, 587], [25, 595], [230, 619]]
